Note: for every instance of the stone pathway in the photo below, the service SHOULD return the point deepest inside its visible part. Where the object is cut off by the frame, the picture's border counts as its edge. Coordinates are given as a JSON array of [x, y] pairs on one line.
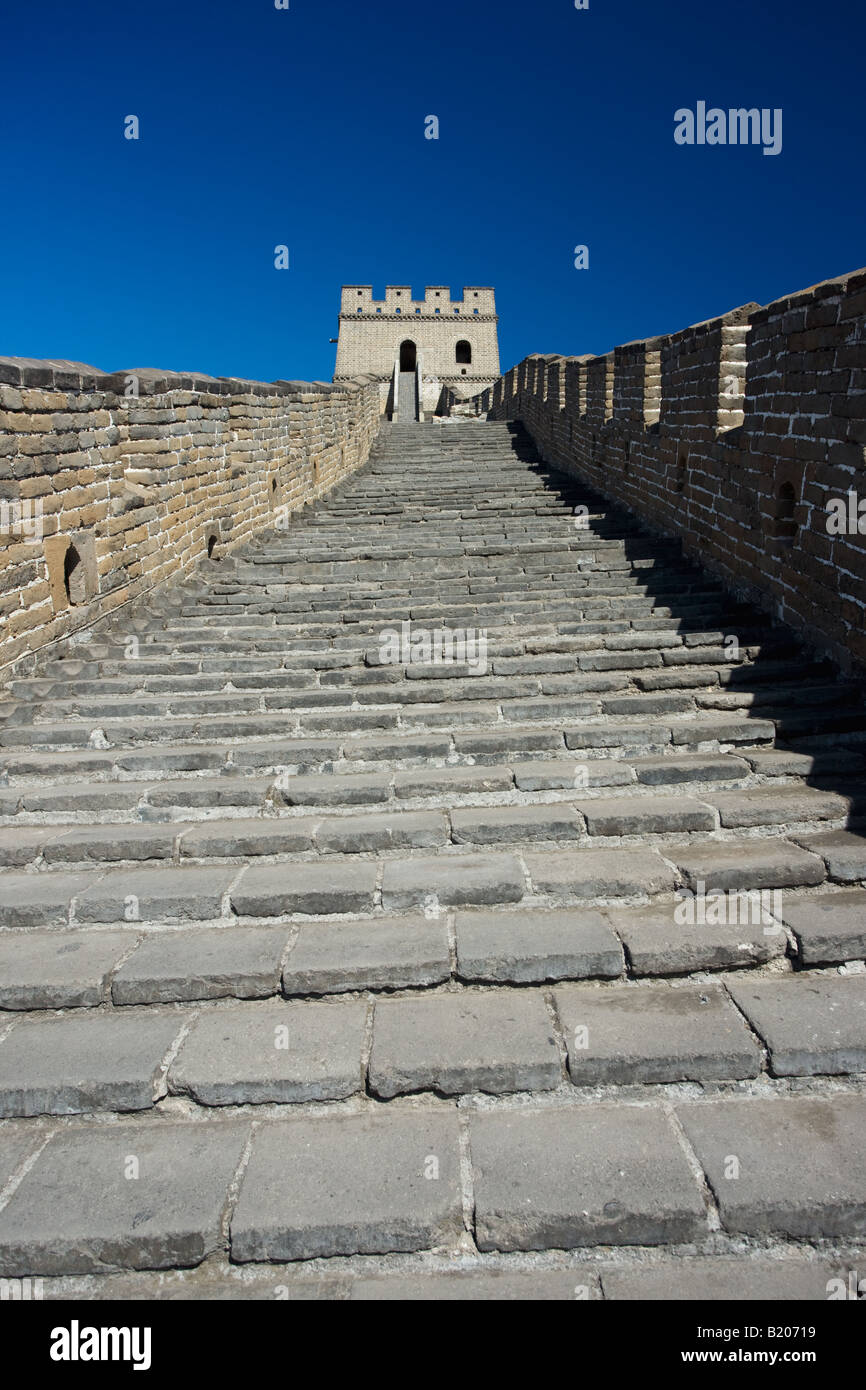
[[407, 405], [326, 975]]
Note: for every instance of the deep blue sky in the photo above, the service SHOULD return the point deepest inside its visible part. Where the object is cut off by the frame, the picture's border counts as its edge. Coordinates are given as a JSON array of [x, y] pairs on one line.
[[306, 127]]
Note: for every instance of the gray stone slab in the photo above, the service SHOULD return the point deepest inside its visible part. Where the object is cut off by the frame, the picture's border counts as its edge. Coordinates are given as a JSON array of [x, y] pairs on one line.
[[569, 775], [764, 863], [812, 1023], [435, 780], [273, 890], [610, 735], [399, 829], [626, 1034], [100, 796], [599, 873], [489, 825], [784, 805], [579, 1175], [497, 1041], [533, 945], [58, 969], [708, 767], [379, 953], [239, 962], [843, 852], [245, 838], [782, 762], [210, 792], [722, 730], [452, 880], [485, 1285], [103, 843], [252, 1054], [78, 1212], [645, 815], [789, 1166], [718, 1278], [81, 1062], [156, 895], [379, 1181], [39, 900], [829, 927], [657, 944], [344, 789]]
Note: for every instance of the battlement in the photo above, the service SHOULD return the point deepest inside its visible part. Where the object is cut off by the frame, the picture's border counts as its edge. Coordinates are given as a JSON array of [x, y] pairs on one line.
[[478, 301], [743, 435]]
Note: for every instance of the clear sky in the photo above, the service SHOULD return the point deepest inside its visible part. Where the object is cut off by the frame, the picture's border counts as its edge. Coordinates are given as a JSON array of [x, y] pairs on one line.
[[305, 127]]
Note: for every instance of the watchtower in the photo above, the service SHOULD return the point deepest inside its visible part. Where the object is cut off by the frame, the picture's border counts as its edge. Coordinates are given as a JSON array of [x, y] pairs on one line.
[[437, 341]]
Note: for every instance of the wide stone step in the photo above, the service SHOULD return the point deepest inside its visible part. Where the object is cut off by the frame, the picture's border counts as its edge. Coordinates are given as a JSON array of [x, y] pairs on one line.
[[495, 1041]]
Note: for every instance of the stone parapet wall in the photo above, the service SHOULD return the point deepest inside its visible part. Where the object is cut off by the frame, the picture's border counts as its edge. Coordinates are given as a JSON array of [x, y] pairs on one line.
[[105, 494], [743, 436]]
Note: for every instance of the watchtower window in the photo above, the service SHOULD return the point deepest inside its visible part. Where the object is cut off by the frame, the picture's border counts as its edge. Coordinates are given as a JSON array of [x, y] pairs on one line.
[[464, 351], [784, 526], [73, 577]]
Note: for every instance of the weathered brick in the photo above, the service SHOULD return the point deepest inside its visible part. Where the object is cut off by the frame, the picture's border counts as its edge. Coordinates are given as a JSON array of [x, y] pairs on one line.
[[528, 947], [85, 1061], [381, 953], [653, 1033], [360, 1184], [472, 1041], [168, 1215], [581, 1175], [774, 1189], [811, 1024], [251, 1054]]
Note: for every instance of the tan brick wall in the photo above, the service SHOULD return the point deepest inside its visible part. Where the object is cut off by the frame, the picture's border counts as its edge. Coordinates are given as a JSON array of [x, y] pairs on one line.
[[705, 432], [140, 485]]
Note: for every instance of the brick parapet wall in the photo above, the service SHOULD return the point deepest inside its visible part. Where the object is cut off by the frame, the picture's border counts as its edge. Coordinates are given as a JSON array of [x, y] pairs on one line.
[[144, 486], [752, 423]]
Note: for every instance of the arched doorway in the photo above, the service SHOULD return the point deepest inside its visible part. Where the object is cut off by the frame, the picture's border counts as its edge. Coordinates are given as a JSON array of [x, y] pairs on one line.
[[408, 356]]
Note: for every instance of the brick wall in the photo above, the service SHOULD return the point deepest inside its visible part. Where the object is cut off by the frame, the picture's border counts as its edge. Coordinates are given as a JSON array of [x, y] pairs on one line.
[[106, 495], [733, 434]]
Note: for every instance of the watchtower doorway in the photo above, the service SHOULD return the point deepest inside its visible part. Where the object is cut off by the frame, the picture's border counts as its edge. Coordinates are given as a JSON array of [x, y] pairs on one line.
[[408, 356]]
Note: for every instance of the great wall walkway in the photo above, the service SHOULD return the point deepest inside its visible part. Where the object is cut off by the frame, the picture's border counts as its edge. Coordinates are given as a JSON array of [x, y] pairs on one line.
[[322, 977]]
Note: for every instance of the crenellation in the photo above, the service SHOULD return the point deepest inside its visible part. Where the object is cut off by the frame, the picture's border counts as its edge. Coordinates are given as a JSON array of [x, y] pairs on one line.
[[138, 479], [733, 434]]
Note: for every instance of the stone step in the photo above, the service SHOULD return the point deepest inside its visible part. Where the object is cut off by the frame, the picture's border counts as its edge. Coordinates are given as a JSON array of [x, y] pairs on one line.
[[575, 923], [473, 1040]]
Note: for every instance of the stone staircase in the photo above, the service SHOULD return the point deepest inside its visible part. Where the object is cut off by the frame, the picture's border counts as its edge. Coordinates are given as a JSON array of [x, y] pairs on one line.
[[407, 405], [326, 975]]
